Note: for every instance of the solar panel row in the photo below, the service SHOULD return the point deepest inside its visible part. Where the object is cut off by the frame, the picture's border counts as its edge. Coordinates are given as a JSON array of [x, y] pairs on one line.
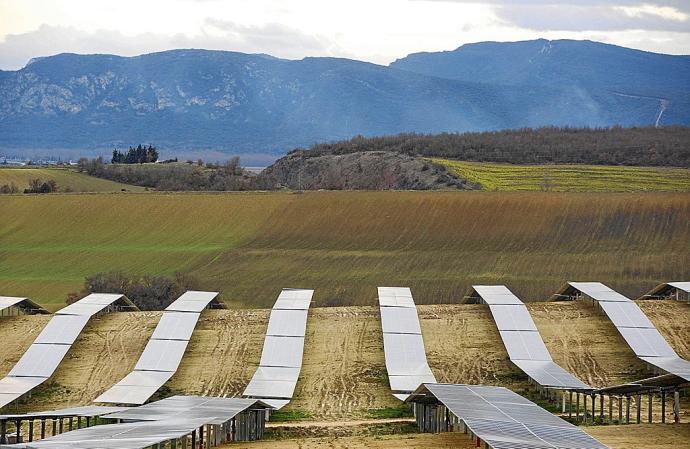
[[504, 419], [640, 333], [25, 304], [151, 424], [522, 340], [403, 344], [163, 352], [281, 358], [44, 355]]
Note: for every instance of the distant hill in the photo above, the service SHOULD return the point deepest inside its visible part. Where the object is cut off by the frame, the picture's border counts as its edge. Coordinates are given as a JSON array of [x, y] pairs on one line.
[[189, 101]]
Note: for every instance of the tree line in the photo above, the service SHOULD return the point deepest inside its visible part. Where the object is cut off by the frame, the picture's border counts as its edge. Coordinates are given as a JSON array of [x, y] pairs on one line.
[[645, 146], [138, 155]]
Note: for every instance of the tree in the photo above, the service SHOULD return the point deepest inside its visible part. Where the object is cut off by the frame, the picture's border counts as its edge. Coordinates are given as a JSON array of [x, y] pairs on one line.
[[151, 154]]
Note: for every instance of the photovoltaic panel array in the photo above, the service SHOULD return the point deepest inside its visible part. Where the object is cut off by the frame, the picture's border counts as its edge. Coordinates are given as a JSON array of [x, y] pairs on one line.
[[42, 358], [163, 352], [504, 419], [403, 345], [522, 340], [24, 304], [673, 290], [640, 334], [276, 377], [150, 425]]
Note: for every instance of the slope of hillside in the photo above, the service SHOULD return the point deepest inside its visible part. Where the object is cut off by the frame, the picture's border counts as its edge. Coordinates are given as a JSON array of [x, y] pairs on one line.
[[68, 180], [249, 245], [197, 100]]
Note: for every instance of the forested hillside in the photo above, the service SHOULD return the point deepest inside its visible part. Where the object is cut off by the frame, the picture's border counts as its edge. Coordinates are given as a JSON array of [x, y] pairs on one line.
[[648, 146]]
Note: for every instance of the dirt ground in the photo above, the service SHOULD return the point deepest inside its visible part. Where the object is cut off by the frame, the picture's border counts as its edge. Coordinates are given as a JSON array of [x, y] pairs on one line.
[[343, 375], [645, 436]]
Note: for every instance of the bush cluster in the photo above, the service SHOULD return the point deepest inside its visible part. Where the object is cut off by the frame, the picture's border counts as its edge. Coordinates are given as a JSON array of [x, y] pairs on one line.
[[146, 292]]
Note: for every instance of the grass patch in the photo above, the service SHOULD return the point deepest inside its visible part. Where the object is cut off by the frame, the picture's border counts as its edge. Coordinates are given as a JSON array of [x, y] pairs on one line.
[[570, 178], [290, 415], [67, 179], [402, 411]]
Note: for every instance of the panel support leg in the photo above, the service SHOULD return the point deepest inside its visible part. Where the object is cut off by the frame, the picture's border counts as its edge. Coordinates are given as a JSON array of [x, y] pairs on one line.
[[649, 408]]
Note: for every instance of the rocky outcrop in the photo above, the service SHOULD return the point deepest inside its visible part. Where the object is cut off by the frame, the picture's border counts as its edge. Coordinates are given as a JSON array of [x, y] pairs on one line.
[[368, 170]]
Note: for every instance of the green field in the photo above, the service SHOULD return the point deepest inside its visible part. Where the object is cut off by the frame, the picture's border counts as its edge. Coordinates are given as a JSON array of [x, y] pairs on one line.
[[570, 178], [344, 244], [67, 179]]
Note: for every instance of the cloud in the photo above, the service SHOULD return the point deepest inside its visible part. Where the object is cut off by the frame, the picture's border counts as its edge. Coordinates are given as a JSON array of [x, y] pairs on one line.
[[592, 15], [590, 18], [275, 39]]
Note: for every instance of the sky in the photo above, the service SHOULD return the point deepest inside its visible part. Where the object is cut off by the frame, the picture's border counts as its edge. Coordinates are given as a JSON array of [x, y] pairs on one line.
[[378, 31]]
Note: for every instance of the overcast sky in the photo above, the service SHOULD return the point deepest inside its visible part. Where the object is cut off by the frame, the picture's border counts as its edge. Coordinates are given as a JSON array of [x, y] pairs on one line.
[[372, 30]]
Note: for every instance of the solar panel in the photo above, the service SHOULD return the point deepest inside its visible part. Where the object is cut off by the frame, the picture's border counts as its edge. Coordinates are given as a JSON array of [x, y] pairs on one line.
[[145, 379], [400, 320], [91, 304], [277, 373], [19, 385], [503, 419], [685, 286], [293, 299], [395, 297], [676, 365], [211, 409], [647, 342], [599, 291], [162, 355], [63, 329], [24, 304], [524, 345], [409, 383], [637, 330], [549, 374], [39, 360], [282, 353], [270, 388], [625, 314], [522, 340], [496, 295], [127, 394], [192, 301], [403, 345], [163, 352], [512, 318], [287, 323], [176, 326], [405, 354]]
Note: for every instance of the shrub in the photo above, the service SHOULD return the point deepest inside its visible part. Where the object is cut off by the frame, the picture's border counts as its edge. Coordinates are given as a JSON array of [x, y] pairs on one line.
[[147, 292]]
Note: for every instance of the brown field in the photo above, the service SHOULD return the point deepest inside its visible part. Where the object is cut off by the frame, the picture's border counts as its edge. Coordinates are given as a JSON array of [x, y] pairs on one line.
[[344, 244]]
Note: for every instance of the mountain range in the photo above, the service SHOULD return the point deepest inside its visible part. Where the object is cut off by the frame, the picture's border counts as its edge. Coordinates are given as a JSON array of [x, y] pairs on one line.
[[192, 101]]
